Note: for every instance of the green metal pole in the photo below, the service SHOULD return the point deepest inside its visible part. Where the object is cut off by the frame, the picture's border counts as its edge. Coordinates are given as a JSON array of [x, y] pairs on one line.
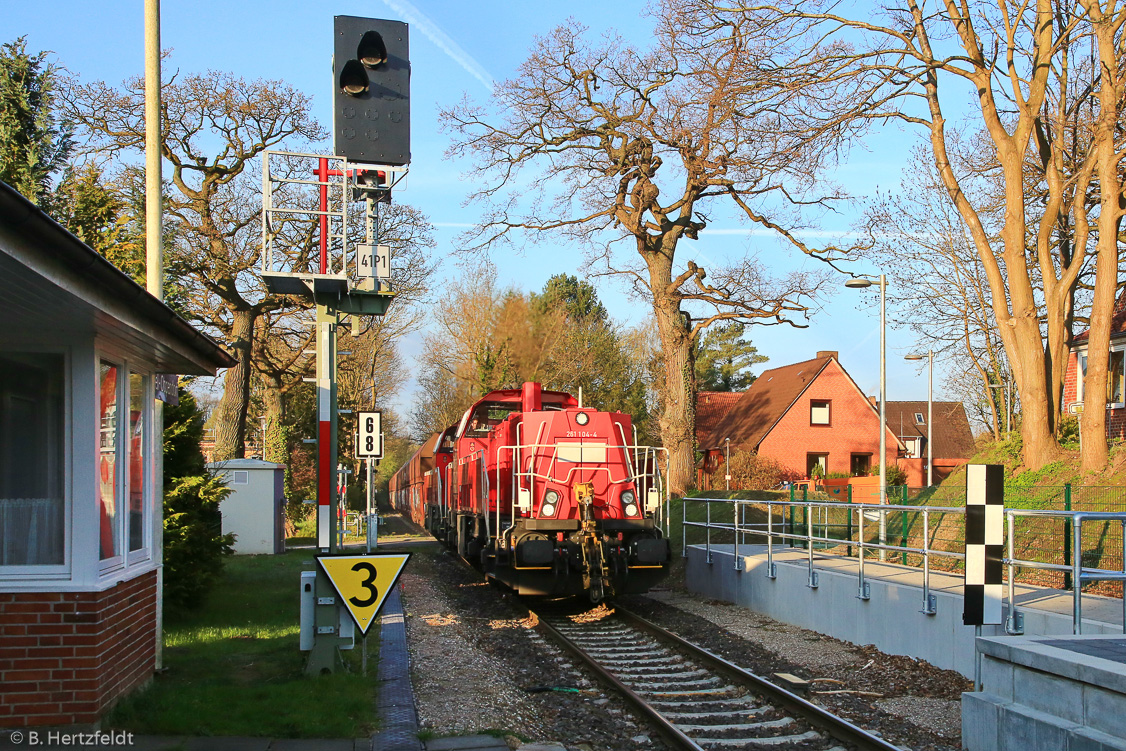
[[792, 500], [804, 519], [903, 516], [1067, 535]]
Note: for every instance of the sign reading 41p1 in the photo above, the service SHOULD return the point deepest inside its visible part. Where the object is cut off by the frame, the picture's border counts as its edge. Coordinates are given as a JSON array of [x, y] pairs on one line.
[[374, 261], [369, 435], [363, 582]]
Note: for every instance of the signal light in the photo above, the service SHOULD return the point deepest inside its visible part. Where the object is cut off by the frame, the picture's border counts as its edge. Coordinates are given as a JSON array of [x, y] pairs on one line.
[[353, 78], [371, 50], [371, 104]]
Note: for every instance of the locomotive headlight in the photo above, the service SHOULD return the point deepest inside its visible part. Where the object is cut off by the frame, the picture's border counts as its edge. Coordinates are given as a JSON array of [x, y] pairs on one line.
[[629, 500], [582, 418], [550, 500]]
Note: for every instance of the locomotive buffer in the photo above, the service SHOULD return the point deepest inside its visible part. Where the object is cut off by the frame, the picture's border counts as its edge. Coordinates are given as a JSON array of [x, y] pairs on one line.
[[345, 271]]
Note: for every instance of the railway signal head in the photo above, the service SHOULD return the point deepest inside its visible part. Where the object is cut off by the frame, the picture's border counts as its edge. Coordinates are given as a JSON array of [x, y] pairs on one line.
[[371, 100]]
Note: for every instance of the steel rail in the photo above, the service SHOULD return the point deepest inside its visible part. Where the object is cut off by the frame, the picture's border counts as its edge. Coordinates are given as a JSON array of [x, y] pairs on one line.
[[670, 732], [838, 727]]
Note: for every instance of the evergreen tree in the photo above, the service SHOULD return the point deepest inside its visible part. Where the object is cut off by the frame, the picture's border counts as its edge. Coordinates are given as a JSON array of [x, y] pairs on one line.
[[723, 359], [35, 143], [194, 543]]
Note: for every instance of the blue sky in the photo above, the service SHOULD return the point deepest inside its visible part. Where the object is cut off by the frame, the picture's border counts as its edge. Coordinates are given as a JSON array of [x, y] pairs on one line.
[[456, 49]]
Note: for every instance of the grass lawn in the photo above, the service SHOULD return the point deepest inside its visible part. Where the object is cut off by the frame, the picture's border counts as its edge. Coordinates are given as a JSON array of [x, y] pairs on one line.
[[233, 666]]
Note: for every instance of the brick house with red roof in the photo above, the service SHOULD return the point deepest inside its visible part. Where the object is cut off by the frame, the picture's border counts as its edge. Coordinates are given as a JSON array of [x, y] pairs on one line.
[[711, 407], [953, 438], [801, 415], [1116, 373], [813, 413]]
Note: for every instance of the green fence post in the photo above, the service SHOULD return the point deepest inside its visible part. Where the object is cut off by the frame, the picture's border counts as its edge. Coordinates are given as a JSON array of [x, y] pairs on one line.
[[903, 517], [849, 523], [1067, 535], [793, 498], [804, 518]]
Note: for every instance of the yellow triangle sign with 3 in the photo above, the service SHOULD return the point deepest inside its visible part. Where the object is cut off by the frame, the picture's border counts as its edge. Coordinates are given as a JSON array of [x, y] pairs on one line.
[[363, 582]]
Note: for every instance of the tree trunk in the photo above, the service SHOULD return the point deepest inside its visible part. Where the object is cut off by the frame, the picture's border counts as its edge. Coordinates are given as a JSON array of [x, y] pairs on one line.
[[230, 425], [678, 413], [274, 447], [1093, 422]]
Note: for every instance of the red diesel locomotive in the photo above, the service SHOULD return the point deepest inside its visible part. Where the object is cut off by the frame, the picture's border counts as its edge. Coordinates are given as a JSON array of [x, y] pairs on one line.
[[544, 495]]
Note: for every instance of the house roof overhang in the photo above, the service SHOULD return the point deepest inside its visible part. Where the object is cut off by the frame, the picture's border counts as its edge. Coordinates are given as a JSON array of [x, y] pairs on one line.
[[50, 281]]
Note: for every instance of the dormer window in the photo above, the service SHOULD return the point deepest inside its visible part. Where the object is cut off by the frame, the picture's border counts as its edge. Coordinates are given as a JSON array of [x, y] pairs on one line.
[[919, 419]]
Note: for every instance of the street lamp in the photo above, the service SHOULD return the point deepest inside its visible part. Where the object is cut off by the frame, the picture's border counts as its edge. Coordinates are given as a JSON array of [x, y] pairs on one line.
[[1008, 407], [727, 462], [860, 283], [929, 356]]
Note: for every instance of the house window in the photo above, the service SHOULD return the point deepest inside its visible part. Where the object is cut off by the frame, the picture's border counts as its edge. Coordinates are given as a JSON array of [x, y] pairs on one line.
[[124, 496], [241, 477], [919, 419], [139, 400], [820, 461], [32, 474], [860, 465], [1115, 378], [109, 499], [914, 447], [819, 411]]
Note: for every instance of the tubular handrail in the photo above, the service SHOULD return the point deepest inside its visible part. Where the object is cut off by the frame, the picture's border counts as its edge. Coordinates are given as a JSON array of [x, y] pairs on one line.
[[1081, 574]]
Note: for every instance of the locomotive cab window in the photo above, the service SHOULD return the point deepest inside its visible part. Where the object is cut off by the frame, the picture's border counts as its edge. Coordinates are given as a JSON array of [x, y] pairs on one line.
[[488, 416]]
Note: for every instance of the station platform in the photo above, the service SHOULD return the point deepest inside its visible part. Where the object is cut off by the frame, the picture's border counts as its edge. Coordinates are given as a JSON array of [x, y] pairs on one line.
[[894, 617]]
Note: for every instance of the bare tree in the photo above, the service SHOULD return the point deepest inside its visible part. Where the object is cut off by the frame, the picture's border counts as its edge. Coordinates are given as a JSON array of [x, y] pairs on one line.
[[1020, 62], [632, 147], [213, 128]]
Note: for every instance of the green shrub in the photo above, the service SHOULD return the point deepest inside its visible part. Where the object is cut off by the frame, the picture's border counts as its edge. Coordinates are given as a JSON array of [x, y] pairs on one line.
[[896, 475], [749, 471], [194, 543]]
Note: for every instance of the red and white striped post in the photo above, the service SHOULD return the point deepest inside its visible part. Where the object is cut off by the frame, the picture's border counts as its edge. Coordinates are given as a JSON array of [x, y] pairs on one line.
[[326, 429]]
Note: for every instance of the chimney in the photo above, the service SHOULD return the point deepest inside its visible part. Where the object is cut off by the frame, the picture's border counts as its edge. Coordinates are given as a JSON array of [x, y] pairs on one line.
[[828, 353], [872, 400]]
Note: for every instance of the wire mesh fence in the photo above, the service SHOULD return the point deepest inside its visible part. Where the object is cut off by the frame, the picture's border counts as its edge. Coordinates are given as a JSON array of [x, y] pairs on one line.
[[1036, 539]]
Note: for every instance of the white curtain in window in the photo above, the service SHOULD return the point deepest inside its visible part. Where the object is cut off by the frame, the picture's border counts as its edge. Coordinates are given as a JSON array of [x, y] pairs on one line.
[[31, 531]]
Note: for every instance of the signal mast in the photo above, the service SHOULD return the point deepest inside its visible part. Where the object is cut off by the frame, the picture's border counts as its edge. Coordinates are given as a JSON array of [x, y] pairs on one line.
[[345, 271]]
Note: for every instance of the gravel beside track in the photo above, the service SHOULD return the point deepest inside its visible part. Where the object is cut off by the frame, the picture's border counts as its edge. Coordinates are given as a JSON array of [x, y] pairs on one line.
[[479, 665]]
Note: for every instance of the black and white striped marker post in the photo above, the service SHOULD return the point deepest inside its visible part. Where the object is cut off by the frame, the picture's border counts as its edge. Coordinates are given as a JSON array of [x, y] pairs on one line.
[[985, 544]]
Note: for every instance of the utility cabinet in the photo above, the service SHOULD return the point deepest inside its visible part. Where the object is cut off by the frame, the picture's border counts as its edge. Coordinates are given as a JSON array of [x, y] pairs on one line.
[[255, 510]]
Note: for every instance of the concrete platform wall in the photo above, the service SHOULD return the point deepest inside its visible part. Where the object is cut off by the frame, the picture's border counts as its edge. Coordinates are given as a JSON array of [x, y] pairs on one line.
[[891, 620]]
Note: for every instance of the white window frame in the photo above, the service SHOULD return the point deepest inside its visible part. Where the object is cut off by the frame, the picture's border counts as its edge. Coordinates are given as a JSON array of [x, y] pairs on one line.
[[914, 445], [125, 560], [59, 571], [1081, 374]]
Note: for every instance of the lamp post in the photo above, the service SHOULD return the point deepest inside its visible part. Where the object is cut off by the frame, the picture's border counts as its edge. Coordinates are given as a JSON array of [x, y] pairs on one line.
[[727, 462], [930, 401], [1008, 408], [861, 283]]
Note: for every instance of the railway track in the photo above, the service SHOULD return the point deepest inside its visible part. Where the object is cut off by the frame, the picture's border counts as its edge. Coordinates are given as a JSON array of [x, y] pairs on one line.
[[695, 699]]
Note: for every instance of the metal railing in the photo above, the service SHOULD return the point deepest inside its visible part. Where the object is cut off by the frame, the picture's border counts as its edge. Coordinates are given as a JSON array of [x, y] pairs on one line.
[[842, 527]]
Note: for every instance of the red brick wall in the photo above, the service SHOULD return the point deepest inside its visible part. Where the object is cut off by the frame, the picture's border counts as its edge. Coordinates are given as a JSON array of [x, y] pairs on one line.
[[854, 427], [66, 657], [1070, 380], [1116, 423]]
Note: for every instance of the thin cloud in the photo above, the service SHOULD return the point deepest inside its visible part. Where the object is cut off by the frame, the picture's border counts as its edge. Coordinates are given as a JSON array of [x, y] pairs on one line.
[[418, 19]]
